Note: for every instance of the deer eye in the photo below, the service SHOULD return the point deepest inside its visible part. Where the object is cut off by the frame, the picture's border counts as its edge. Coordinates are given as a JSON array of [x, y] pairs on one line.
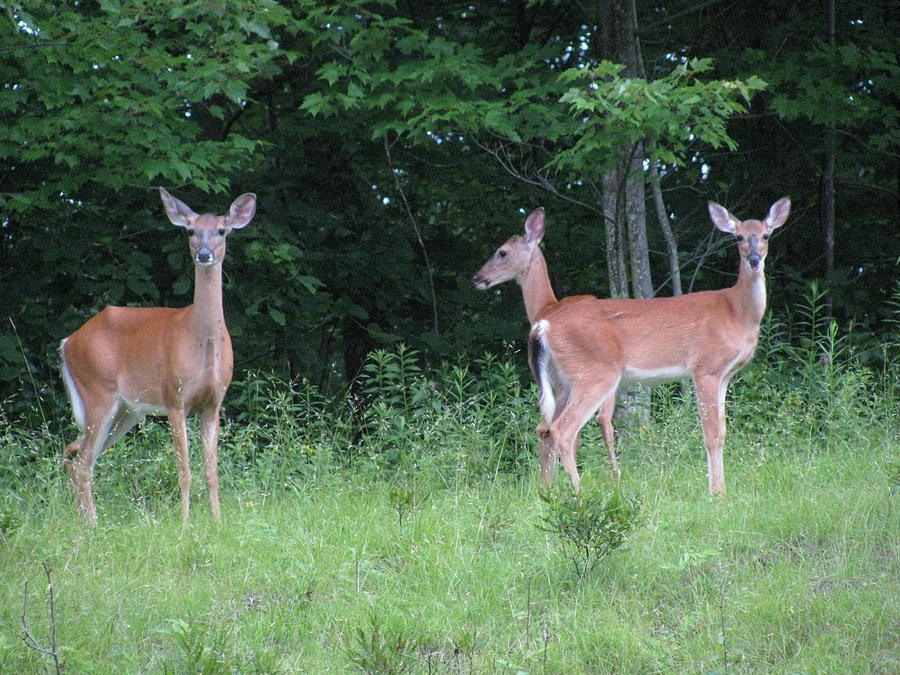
[[739, 237], [501, 254], [190, 231], [765, 236], [222, 231]]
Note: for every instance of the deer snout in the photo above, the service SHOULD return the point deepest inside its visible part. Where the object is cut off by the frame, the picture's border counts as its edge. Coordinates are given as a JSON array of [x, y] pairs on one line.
[[205, 256], [479, 281], [754, 258]]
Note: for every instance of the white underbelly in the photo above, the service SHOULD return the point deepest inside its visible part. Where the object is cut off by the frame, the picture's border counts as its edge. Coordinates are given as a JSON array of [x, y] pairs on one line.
[[138, 407], [653, 376]]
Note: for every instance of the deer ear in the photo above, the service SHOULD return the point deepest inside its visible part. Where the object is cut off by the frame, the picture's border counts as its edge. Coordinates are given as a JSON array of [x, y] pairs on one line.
[[242, 211], [179, 213], [534, 226], [721, 218], [778, 213]]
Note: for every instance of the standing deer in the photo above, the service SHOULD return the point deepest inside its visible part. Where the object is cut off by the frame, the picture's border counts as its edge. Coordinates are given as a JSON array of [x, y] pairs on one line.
[[128, 362], [582, 348], [520, 258]]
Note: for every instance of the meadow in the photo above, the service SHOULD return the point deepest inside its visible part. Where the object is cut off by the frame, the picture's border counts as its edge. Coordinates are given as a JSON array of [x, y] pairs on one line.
[[403, 529]]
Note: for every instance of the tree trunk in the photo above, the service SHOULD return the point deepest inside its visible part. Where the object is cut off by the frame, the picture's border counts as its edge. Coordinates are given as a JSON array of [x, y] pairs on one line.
[[615, 234], [636, 219], [663, 217], [827, 208], [619, 43]]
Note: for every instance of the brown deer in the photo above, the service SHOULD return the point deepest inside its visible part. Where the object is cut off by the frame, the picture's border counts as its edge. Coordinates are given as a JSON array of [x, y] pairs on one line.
[[128, 362], [582, 348]]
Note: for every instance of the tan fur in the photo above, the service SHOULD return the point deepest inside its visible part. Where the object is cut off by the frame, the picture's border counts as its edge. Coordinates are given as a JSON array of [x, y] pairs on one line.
[[127, 362], [595, 345]]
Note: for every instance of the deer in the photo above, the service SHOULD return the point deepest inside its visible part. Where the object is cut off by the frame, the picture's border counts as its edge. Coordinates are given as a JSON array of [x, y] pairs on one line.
[[582, 348], [128, 362]]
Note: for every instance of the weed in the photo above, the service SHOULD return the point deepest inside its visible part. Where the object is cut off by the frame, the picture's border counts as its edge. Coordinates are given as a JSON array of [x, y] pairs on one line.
[[201, 653], [394, 377], [381, 648], [405, 498], [49, 652], [792, 572], [892, 469], [590, 524], [10, 515]]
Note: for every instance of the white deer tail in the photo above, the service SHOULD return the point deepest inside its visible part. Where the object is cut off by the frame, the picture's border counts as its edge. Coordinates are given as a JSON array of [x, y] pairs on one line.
[[71, 389], [540, 360]]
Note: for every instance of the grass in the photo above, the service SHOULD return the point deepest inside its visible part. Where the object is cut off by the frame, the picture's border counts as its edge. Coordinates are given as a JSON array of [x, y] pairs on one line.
[[420, 546]]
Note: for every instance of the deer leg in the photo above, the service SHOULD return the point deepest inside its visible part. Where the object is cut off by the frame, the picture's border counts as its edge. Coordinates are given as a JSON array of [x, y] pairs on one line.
[[549, 451], [566, 428], [73, 456], [711, 408], [178, 420], [209, 425], [80, 456], [123, 422], [604, 419], [70, 455], [547, 454], [82, 484]]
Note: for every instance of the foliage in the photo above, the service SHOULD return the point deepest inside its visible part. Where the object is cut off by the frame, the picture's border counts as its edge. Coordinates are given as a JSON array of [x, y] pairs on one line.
[[443, 89], [122, 70], [311, 571], [467, 418], [591, 524], [379, 649], [405, 499], [826, 89], [892, 339], [329, 556], [671, 112], [202, 653], [394, 146]]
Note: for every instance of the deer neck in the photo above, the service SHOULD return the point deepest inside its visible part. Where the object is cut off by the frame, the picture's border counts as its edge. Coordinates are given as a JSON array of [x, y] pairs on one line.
[[208, 317], [536, 289], [750, 291]]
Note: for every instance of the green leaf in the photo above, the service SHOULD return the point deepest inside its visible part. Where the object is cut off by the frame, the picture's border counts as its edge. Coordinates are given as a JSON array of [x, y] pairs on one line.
[[332, 72], [311, 284], [277, 315], [236, 90]]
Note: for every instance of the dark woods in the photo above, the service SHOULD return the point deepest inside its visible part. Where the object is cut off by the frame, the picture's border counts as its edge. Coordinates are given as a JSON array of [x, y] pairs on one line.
[[393, 145]]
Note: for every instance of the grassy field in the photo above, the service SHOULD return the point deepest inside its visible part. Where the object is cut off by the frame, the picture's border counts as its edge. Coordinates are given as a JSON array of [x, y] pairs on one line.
[[420, 546]]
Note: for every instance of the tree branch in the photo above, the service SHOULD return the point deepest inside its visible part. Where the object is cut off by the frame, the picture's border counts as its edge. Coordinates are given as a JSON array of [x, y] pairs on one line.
[[28, 637], [537, 179], [677, 15], [415, 227]]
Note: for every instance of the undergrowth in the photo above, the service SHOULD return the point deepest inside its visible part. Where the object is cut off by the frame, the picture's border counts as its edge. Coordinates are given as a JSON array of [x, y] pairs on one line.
[[400, 527]]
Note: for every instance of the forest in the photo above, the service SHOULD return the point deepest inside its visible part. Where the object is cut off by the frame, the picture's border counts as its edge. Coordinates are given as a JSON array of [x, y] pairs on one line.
[[394, 145], [382, 508]]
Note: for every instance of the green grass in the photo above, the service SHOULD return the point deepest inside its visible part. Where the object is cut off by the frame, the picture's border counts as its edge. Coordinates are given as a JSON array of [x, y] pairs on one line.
[[418, 546], [795, 571]]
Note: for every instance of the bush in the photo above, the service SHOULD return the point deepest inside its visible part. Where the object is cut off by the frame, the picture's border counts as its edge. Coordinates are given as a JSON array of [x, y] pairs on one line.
[[590, 524], [464, 419]]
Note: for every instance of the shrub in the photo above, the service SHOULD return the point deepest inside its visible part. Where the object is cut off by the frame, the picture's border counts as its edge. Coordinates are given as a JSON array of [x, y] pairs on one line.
[[590, 524]]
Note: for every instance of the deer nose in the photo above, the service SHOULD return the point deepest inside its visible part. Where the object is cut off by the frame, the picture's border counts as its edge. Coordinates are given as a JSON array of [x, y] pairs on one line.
[[754, 258], [205, 256]]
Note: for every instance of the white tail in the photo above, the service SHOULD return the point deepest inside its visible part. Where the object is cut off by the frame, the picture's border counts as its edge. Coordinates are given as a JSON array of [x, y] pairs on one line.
[[583, 348], [128, 362]]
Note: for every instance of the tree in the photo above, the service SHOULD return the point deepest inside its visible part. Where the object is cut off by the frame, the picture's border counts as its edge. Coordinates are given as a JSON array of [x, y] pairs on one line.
[[101, 101], [510, 107], [392, 144], [445, 91]]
